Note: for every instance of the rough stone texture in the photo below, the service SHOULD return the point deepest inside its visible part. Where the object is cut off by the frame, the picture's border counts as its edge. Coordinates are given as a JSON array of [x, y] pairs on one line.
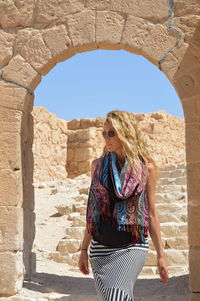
[[50, 10], [16, 13], [82, 27], [57, 39], [183, 7], [194, 260], [50, 145], [19, 69], [12, 96], [135, 32], [6, 50], [154, 11], [193, 221], [109, 26], [11, 283], [12, 232], [191, 107], [31, 46]]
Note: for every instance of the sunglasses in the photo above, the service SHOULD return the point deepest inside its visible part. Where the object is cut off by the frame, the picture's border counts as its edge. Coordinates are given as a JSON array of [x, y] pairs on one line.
[[110, 133]]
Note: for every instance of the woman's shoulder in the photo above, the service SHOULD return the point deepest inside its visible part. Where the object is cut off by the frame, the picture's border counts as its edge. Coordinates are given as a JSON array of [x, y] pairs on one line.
[[96, 161]]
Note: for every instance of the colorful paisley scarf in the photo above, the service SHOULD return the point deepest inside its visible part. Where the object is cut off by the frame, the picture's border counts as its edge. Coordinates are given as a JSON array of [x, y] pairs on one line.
[[130, 209]]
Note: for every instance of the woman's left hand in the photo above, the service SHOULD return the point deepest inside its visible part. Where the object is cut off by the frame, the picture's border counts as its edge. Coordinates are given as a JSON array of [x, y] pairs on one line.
[[163, 271]]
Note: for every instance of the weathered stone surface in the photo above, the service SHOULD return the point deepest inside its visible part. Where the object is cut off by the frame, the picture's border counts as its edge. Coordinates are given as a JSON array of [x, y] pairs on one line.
[[193, 225], [193, 138], [81, 27], [16, 13], [194, 266], [12, 97], [70, 245], [6, 50], [10, 120], [10, 157], [51, 10], [154, 11], [74, 232], [183, 7], [159, 42], [191, 107], [109, 26], [57, 39], [12, 232], [11, 282], [195, 297], [31, 46], [19, 71], [187, 25], [172, 65], [135, 32], [193, 178], [189, 84], [173, 257]]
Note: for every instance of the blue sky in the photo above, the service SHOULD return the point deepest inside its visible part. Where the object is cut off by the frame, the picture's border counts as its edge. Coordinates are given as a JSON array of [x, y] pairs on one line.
[[92, 83]]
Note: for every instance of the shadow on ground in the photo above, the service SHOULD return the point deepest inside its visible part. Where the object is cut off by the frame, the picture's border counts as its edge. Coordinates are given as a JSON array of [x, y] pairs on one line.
[[47, 283]]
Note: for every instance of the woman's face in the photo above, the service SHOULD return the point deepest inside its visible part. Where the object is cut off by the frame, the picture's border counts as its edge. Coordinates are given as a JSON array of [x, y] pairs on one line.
[[113, 144]]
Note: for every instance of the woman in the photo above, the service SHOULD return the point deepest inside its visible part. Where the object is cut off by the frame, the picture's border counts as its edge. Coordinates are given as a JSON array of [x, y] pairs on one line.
[[121, 211]]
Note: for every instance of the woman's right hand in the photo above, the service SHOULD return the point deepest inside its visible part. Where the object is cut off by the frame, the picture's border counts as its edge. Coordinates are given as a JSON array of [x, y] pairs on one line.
[[83, 262]]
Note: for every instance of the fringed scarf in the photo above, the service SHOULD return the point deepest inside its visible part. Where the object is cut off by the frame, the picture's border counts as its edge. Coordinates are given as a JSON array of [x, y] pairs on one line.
[[130, 211]]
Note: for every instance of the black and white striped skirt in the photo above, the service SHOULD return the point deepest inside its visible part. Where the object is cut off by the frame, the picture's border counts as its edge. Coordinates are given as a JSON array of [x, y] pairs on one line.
[[115, 270]]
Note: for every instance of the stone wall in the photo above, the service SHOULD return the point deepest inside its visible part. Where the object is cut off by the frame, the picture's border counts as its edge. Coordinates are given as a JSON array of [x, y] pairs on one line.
[[66, 148]]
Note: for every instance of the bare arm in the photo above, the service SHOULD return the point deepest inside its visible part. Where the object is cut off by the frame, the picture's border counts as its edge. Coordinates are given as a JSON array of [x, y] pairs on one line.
[[87, 237], [154, 224]]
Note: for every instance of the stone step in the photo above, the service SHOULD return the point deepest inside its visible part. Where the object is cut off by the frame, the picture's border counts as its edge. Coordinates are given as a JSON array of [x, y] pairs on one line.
[[173, 229], [172, 180], [170, 188], [173, 257], [178, 197]]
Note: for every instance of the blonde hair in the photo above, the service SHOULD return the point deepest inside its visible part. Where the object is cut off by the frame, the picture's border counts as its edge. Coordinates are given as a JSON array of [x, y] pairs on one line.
[[134, 146]]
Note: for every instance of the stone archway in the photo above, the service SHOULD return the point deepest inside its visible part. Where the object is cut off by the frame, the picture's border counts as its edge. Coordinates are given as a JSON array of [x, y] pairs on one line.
[[34, 40]]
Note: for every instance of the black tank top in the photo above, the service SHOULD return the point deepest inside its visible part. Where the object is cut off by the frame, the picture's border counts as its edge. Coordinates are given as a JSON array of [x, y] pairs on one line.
[[110, 236]]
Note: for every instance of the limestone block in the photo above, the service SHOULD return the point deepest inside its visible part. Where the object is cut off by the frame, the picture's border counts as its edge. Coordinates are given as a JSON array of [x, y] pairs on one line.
[[84, 167], [51, 10], [172, 64], [11, 228], [10, 157], [64, 209], [14, 97], [70, 245], [19, 71], [109, 26], [193, 225], [79, 207], [187, 24], [173, 257], [86, 123], [85, 134], [178, 243], [160, 40], [57, 39], [16, 13], [11, 272], [191, 107], [154, 11], [193, 180], [62, 258], [173, 229], [193, 138], [31, 46], [82, 154], [135, 32], [10, 120], [194, 267], [183, 7], [6, 42], [195, 297], [188, 84], [73, 124], [79, 221], [75, 232], [82, 27]]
